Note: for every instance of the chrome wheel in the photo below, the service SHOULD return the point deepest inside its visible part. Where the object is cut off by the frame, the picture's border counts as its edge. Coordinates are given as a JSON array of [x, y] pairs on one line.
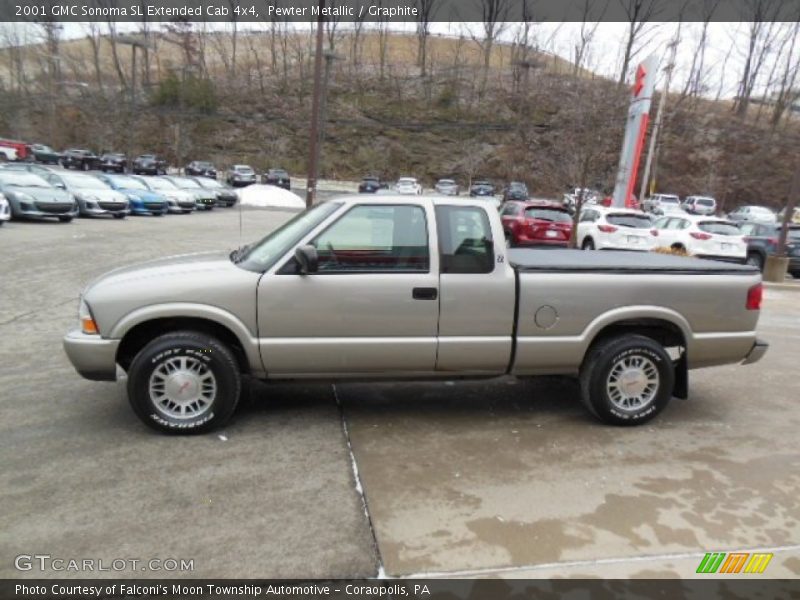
[[183, 387], [632, 383]]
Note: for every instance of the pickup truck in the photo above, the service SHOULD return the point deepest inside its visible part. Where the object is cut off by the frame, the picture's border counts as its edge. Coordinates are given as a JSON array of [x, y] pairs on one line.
[[398, 287]]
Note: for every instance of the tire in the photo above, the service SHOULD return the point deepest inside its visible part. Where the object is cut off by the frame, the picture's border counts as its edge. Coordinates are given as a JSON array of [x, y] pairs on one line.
[[170, 363], [84, 166], [119, 216], [608, 360], [754, 259], [65, 219], [588, 244]]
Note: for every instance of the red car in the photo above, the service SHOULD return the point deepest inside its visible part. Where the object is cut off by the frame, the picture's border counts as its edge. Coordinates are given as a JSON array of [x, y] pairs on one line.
[[536, 223]]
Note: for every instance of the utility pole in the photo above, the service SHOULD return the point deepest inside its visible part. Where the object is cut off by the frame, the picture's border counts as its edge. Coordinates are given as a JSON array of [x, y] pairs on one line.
[[313, 158], [652, 151]]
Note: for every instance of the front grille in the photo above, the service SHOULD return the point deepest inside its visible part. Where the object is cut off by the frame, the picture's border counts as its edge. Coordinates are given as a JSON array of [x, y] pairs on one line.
[[154, 206], [111, 205], [186, 204], [54, 207]]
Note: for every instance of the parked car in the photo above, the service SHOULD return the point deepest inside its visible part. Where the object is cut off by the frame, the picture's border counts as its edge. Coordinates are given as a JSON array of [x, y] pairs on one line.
[[11, 150], [79, 158], [141, 200], [704, 237], [795, 215], [662, 204], [762, 241], [447, 187], [699, 205], [30, 196], [45, 154], [204, 198], [113, 162], [408, 186], [481, 187], [226, 196], [516, 190], [443, 293], [759, 214], [36, 169], [535, 223], [602, 228], [570, 199], [5, 209], [240, 175], [201, 168], [371, 185], [149, 164], [278, 177], [94, 196], [178, 201]]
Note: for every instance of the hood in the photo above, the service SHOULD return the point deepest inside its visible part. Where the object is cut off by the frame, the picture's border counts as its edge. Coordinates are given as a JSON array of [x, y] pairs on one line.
[[165, 268], [42, 194], [145, 195], [178, 195], [103, 195]]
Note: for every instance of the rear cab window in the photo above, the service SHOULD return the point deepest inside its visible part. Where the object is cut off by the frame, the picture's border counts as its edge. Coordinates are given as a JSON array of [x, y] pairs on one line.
[[465, 239], [719, 228]]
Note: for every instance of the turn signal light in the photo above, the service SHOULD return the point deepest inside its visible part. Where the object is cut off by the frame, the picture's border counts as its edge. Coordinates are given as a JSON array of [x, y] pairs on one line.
[[88, 325], [754, 297]]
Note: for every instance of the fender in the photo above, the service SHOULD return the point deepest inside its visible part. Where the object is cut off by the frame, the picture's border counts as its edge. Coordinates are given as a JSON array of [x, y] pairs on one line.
[[191, 310]]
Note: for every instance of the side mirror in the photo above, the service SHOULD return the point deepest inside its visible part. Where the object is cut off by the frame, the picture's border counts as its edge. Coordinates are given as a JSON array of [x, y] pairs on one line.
[[60, 185], [307, 259]]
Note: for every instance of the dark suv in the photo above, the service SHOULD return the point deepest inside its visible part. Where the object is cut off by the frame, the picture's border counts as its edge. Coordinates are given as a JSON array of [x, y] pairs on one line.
[[149, 164], [79, 158], [516, 190], [113, 162], [277, 177], [762, 241], [45, 154], [201, 168]]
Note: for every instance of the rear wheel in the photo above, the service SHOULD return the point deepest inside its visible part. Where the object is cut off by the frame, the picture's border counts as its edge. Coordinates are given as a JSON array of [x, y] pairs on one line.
[[754, 259], [588, 244], [627, 380], [184, 382]]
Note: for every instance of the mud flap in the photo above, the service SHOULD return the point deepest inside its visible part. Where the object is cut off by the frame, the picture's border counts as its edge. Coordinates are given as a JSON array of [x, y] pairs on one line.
[[681, 389]]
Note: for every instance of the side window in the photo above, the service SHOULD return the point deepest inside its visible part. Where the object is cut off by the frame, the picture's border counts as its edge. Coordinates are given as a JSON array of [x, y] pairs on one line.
[[509, 210], [375, 238], [748, 229], [588, 216], [465, 240]]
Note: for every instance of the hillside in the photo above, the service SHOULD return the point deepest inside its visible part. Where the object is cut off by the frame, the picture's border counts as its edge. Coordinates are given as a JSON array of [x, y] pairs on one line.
[[548, 125]]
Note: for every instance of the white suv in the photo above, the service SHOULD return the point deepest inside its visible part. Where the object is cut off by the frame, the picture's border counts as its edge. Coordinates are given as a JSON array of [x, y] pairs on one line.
[[604, 228], [5, 210], [704, 237], [408, 185], [699, 205], [662, 204]]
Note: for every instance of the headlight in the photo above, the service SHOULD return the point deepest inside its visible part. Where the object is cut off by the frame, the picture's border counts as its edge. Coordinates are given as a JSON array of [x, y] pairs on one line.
[[135, 197], [88, 326]]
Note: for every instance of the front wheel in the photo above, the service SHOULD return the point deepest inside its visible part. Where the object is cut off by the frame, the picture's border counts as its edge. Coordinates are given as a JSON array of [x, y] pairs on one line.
[[184, 382], [627, 380], [588, 244], [65, 219], [119, 215]]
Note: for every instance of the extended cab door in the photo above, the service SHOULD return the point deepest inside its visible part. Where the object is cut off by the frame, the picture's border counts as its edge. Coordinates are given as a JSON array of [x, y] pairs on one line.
[[372, 308], [477, 290]]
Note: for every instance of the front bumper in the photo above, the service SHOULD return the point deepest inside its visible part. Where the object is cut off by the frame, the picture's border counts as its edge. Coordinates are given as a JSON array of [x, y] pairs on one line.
[[758, 350], [92, 356]]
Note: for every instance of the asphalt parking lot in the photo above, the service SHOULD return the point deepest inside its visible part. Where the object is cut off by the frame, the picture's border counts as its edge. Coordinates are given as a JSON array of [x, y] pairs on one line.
[[507, 478]]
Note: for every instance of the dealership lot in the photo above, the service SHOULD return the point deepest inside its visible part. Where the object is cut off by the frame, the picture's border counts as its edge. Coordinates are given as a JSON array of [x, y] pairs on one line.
[[503, 477]]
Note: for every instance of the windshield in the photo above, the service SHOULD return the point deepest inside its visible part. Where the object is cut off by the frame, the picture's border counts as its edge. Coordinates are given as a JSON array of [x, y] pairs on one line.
[[84, 182], [210, 183], [263, 254], [161, 184], [40, 148], [204, 165], [719, 228], [628, 220], [704, 202], [186, 183], [123, 181], [548, 214], [23, 179], [446, 182]]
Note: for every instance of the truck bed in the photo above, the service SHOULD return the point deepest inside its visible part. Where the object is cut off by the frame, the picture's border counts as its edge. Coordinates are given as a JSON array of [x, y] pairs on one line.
[[617, 261]]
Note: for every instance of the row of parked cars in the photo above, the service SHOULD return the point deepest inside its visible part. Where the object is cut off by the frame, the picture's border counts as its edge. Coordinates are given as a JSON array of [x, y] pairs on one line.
[[373, 184], [549, 223], [36, 191]]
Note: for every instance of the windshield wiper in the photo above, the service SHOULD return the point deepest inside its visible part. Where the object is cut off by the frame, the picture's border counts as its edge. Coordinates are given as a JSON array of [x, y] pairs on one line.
[[238, 254]]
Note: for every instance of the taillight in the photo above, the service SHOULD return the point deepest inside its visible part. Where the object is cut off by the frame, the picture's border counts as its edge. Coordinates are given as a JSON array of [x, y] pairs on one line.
[[773, 241], [699, 235], [654, 232], [607, 228], [754, 297]]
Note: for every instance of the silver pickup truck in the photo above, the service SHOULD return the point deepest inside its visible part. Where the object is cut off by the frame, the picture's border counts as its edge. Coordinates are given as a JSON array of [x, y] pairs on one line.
[[410, 288]]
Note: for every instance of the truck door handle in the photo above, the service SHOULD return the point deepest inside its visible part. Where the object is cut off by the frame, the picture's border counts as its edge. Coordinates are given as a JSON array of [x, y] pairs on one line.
[[423, 293]]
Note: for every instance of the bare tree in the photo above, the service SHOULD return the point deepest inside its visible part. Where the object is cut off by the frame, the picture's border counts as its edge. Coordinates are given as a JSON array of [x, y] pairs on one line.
[[761, 36], [426, 12], [639, 15], [383, 41], [591, 15], [495, 13], [786, 94]]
